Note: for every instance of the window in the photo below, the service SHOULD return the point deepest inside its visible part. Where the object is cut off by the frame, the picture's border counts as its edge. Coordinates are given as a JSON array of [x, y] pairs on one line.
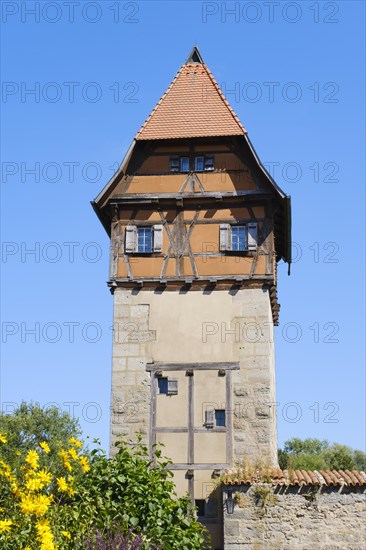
[[144, 239], [215, 418], [209, 163], [168, 386], [206, 507], [174, 164], [204, 163], [236, 238], [199, 164], [200, 505], [184, 164], [220, 418]]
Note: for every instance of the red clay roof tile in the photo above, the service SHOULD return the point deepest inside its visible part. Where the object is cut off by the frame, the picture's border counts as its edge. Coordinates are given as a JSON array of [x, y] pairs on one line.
[[299, 477], [192, 106]]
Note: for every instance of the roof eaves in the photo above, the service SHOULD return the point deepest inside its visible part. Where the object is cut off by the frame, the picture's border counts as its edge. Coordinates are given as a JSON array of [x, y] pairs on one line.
[[116, 175]]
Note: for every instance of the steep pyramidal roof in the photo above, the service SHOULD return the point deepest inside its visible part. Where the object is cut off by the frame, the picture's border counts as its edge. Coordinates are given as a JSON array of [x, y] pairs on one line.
[[192, 106]]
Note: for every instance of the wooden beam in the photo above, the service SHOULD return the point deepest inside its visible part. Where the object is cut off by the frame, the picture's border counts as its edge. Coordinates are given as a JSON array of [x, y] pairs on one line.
[[190, 419], [151, 367], [229, 418], [206, 466]]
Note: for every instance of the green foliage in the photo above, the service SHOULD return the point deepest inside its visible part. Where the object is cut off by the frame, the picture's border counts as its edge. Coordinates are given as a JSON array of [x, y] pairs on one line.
[[306, 446], [129, 491], [29, 425], [129, 498], [315, 454]]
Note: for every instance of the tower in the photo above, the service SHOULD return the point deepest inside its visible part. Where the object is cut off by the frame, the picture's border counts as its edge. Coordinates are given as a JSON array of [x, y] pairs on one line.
[[197, 227]]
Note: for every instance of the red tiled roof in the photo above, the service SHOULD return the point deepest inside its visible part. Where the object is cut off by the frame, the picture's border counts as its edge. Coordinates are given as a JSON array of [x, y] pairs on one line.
[[297, 477], [192, 106]]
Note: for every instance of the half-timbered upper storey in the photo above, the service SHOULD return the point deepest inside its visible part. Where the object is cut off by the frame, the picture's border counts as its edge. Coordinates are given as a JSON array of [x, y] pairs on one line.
[[191, 202]]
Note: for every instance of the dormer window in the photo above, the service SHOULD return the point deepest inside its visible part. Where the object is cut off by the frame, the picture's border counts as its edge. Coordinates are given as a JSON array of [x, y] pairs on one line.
[[184, 164], [174, 164], [202, 163], [199, 163], [209, 163]]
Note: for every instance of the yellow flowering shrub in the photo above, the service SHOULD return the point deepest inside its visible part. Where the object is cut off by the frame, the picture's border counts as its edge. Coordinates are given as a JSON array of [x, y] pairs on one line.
[[35, 510]]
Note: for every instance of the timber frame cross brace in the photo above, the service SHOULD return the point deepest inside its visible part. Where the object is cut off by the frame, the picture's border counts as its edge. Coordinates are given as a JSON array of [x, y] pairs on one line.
[[179, 242]]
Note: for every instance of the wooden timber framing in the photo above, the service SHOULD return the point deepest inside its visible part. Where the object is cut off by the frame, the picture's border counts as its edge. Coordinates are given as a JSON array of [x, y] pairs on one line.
[[152, 367], [224, 369]]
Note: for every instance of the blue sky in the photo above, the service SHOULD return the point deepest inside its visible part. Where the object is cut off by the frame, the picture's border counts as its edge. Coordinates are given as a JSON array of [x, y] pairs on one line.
[[293, 72]]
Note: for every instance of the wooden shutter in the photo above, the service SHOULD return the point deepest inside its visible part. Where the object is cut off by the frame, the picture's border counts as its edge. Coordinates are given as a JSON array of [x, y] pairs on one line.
[[131, 239], [158, 238], [172, 386], [209, 419], [225, 237], [252, 236]]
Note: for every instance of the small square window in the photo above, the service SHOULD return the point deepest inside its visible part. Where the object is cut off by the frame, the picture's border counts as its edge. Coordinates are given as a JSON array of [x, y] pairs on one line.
[[238, 238], [220, 418], [144, 239], [199, 164], [168, 386], [184, 164]]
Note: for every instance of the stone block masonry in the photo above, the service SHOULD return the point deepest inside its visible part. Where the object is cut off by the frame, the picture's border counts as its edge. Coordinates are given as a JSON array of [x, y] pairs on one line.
[[195, 327], [296, 518]]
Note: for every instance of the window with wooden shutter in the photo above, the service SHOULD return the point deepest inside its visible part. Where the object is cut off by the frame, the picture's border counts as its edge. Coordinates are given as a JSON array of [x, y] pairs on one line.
[[168, 386], [131, 239], [225, 237], [252, 236], [158, 238], [238, 238], [209, 418], [172, 386]]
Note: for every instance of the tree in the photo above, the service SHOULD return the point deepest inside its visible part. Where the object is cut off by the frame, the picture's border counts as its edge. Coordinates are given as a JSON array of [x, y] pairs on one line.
[[30, 425], [316, 454]]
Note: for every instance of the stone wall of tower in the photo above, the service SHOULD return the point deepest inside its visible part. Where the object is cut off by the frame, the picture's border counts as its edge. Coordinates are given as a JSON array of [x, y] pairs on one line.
[[205, 326]]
